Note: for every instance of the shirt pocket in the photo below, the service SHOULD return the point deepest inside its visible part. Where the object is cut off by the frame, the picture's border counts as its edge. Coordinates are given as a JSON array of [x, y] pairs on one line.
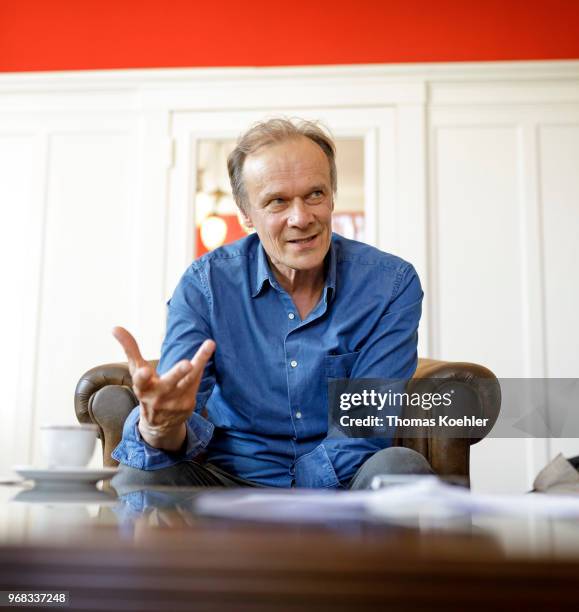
[[340, 366]]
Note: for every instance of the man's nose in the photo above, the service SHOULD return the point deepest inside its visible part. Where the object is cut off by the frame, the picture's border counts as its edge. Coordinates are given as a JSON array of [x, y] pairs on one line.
[[300, 214]]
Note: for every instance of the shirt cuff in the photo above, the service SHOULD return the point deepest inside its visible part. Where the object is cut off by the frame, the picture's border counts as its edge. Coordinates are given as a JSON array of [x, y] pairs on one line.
[[314, 470], [136, 453]]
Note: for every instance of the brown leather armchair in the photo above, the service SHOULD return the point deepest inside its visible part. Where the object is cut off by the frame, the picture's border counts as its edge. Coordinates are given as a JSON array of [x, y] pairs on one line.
[[104, 396]]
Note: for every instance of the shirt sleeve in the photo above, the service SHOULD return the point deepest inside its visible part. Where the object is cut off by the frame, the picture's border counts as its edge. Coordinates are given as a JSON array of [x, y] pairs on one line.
[[389, 352], [187, 327]]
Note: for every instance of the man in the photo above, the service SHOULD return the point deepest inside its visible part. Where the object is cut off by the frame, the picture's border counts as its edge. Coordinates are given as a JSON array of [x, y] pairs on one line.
[[256, 328]]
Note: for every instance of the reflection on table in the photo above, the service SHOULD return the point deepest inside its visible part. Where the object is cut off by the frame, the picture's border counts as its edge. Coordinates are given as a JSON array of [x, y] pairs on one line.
[[152, 550]]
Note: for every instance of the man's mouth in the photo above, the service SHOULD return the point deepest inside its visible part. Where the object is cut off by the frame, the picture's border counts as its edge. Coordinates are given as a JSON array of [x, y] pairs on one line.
[[303, 240]]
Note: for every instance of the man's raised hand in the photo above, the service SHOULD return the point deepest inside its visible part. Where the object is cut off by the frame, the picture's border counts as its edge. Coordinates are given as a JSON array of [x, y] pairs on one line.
[[166, 401]]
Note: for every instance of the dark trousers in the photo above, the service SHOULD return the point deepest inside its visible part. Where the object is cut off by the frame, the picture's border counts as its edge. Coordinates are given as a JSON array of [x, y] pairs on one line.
[[394, 460]]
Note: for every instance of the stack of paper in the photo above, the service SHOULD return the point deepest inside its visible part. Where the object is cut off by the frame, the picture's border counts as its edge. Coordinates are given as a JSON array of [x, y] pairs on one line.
[[427, 498]]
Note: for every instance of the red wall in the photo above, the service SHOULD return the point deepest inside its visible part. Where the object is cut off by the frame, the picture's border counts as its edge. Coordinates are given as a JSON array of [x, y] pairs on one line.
[[234, 232], [101, 34]]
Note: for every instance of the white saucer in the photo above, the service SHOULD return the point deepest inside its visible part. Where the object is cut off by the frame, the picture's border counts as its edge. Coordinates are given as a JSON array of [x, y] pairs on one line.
[[64, 477]]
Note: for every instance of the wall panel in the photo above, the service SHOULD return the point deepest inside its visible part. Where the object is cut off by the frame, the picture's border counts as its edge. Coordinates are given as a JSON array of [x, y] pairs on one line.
[[17, 174], [477, 246], [477, 266], [86, 262], [559, 180]]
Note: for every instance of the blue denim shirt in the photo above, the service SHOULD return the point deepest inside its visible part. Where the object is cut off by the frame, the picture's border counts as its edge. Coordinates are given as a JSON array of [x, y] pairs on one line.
[[264, 394]]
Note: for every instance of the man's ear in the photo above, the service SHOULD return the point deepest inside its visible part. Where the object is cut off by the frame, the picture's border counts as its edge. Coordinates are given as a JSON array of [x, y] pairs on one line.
[[245, 218]]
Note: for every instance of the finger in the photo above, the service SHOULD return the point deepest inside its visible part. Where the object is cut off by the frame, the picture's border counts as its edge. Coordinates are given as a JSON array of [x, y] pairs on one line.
[[203, 355], [175, 374], [188, 381], [142, 378], [199, 361], [130, 346]]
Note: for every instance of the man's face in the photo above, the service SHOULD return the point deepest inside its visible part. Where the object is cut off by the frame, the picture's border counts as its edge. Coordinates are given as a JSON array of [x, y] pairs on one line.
[[290, 203]]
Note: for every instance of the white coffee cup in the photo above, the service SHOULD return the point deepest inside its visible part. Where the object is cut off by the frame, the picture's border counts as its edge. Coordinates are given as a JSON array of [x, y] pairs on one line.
[[65, 446]]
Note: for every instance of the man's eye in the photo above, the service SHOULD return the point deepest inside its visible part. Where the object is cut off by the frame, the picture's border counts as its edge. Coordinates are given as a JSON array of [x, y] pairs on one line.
[[316, 194], [276, 202]]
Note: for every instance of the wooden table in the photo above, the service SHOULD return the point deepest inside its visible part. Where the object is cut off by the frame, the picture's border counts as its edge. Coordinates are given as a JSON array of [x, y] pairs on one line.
[[169, 559]]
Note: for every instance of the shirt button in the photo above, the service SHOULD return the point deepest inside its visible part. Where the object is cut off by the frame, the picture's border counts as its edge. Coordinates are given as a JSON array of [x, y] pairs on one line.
[[291, 316], [294, 363], [298, 415]]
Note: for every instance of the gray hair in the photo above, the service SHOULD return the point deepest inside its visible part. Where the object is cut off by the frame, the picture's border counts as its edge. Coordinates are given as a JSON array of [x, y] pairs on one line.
[[274, 131]]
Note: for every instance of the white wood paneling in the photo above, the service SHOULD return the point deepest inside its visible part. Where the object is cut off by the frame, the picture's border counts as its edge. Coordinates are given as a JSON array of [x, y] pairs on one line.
[[559, 179], [476, 250], [85, 272], [477, 246], [503, 253], [67, 256], [471, 174], [18, 171], [412, 206], [153, 160], [559, 154]]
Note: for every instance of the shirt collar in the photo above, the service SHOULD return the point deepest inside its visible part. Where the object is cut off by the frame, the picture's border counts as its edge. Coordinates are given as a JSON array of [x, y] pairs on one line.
[[332, 261], [263, 272]]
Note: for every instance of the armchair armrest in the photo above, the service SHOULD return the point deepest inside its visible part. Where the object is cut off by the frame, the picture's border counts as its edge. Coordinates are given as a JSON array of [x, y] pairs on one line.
[[104, 396], [451, 456]]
